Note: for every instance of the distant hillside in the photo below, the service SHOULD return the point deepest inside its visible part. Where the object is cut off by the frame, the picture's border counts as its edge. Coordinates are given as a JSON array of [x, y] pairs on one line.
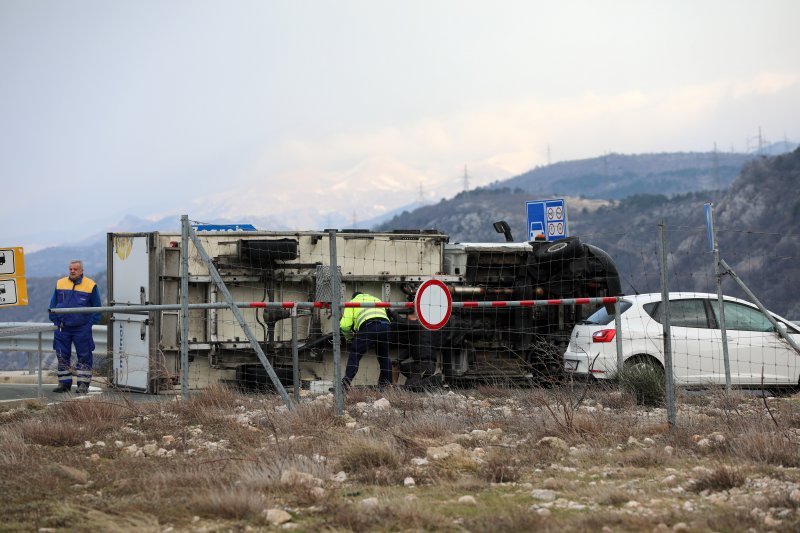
[[757, 220], [616, 176]]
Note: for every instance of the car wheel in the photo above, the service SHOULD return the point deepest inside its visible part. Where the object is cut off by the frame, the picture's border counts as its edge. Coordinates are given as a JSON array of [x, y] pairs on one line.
[[561, 249]]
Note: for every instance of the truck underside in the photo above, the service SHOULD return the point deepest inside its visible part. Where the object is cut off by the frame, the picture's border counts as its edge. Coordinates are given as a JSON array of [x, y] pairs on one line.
[[478, 344]]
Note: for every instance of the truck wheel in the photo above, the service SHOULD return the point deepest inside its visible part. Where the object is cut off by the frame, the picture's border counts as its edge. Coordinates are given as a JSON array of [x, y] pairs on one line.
[[568, 248]]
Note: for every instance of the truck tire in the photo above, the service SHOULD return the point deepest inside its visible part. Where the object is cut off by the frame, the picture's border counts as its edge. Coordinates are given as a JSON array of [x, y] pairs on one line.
[[568, 248]]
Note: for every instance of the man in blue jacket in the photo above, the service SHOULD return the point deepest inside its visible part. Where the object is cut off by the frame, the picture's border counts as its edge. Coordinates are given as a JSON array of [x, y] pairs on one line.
[[76, 290]]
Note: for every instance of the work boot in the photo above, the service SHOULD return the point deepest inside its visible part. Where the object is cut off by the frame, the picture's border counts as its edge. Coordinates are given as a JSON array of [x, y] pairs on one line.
[[61, 388], [83, 388]]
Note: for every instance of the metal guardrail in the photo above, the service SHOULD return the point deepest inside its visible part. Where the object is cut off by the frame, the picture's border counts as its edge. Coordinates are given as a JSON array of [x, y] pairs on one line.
[[37, 338], [24, 337]]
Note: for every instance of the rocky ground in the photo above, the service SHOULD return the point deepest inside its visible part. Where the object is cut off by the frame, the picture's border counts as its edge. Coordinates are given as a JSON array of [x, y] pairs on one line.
[[491, 459]]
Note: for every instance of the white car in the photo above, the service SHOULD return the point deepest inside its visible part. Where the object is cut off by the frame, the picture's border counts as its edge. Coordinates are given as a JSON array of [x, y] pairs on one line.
[[757, 353]]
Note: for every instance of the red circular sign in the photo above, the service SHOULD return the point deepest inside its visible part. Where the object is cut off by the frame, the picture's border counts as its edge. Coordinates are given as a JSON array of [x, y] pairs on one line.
[[433, 304]]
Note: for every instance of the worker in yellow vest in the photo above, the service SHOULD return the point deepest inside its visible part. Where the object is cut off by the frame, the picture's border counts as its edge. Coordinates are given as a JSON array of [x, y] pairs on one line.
[[367, 327]]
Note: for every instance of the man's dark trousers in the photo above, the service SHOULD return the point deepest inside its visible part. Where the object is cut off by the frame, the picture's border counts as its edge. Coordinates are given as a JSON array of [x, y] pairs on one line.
[[372, 333]]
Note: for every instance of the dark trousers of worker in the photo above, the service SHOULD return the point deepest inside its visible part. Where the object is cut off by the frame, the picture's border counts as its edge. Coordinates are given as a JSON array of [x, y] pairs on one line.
[[63, 340], [371, 333]]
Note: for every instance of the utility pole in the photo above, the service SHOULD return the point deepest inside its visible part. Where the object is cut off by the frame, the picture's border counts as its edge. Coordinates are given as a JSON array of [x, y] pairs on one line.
[[715, 168], [421, 195], [466, 179], [548, 154]]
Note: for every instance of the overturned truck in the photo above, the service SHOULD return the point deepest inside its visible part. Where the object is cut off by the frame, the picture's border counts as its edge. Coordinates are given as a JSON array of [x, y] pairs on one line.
[[478, 344]]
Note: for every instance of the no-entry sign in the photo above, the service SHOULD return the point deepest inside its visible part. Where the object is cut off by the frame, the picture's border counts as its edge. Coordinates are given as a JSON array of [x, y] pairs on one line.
[[433, 304]]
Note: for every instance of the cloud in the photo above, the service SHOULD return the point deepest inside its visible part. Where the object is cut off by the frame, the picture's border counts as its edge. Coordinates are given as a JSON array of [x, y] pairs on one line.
[[370, 171]]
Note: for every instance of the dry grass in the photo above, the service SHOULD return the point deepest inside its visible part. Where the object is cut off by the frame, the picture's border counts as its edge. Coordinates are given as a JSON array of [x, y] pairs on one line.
[[227, 458], [722, 478]]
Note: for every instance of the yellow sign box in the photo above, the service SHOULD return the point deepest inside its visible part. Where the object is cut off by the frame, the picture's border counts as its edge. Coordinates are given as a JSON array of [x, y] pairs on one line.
[[12, 262], [13, 289]]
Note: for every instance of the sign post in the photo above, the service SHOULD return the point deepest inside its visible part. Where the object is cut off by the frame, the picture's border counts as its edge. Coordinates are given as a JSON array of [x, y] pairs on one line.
[[13, 289], [547, 218], [433, 304]]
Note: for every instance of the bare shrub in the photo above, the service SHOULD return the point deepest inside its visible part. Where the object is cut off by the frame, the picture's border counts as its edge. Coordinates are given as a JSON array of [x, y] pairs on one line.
[[427, 426], [362, 457], [234, 502], [515, 520], [500, 466], [731, 519], [614, 497], [13, 449], [304, 419], [767, 448], [615, 399], [721, 478], [55, 432], [99, 414], [612, 521], [346, 516], [641, 458]]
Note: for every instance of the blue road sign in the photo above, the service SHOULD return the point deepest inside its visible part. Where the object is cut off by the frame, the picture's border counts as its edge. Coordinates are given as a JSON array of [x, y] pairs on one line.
[[548, 218]]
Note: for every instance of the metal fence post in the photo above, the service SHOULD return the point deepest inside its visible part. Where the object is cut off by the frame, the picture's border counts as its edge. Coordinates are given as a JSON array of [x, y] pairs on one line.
[[670, 392], [39, 380], [712, 235], [226, 295], [185, 307], [336, 313], [618, 336], [295, 356], [780, 331]]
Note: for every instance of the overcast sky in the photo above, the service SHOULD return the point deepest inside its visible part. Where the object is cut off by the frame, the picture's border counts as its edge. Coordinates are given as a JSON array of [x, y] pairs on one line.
[[240, 108]]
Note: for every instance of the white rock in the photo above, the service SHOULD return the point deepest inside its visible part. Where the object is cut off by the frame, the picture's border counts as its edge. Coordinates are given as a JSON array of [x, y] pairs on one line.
[[366, 431], [369, 502], [669, 480], [410, 497], [772, 522], [553, 442], [87, 445], [409, 482], [340, 477], [293, 477], [648, 441], [318, 492], [633, 504], [94, 457], [381, 404], [468, 500], [544, 512], [633, 441], [419, 461], [795, 495], [680, 526], [442, 452], [702, 471], [669, 450], [277, 516], [118, 444], [546, 495], [688, 506], [167, 439], [704, 443]]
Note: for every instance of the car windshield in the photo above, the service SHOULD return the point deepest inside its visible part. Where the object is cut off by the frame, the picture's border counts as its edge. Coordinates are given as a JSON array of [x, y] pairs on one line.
[[601, 316]]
